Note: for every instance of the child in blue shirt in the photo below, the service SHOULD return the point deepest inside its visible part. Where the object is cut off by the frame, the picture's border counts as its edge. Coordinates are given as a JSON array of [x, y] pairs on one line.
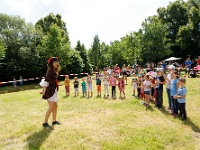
[[173, 91], [83, 84], [181, 98]]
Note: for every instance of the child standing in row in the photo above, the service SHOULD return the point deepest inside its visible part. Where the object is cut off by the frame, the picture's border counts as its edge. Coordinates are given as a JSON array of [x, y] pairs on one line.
[[98, 83], [181, 98], [106, 81], [134, 84], [67, 83], [76, 84], [173, 92], [147, 89], [121, 86], [89, 85], [113, 81], [83, 84]]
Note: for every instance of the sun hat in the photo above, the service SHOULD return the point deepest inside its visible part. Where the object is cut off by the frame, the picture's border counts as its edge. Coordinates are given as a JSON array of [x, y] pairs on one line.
[[171, 67]]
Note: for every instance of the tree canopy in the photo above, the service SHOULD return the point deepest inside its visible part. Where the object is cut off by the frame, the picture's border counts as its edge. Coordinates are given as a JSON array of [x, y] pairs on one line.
[[25, 48]]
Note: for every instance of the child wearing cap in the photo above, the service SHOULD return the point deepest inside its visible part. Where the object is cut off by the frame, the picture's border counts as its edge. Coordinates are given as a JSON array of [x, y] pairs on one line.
[[67, 83], [76, 84], [121, 86]]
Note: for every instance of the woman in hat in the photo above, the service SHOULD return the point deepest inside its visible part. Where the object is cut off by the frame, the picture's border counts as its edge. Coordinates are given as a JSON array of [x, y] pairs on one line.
[[50, 91]]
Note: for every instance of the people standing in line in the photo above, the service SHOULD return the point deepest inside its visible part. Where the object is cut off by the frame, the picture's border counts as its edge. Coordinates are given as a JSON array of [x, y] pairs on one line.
[[106, 83], [98, 84], [181, 98], [84, 88], [124, 72], [113, 81], [121, 86], [67, 85], [20, 80], [160, 81], [89, 85], [188, 63], [173, 92], [168, 79], [76, 84], [50, 91]]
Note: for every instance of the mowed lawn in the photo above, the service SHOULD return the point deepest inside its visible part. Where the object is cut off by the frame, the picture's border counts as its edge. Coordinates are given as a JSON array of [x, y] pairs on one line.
[[97, 123]]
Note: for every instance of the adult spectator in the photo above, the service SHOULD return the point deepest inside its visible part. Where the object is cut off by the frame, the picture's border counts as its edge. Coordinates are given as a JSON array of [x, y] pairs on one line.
[[188, 63], [198, 61]]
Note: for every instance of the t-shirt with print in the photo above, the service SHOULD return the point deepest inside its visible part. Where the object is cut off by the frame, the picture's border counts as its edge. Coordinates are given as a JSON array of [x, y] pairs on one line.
[[76, 84], [161, 79]]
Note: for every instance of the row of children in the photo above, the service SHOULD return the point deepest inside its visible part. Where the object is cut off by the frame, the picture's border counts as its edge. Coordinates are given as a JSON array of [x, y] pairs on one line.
[[86, 85], [150, 87]]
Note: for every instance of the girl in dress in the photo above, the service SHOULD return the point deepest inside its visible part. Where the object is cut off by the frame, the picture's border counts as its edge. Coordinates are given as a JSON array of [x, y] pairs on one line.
[[50, 91]]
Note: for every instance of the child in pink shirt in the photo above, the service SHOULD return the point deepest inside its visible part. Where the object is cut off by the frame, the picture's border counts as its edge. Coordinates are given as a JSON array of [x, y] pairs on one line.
[[113, 81]]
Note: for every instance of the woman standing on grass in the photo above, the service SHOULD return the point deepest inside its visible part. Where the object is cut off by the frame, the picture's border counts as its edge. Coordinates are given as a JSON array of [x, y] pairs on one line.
[[50, 91]]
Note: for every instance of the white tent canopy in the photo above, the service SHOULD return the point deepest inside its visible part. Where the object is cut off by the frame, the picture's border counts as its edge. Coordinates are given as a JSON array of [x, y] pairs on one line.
[[172, 58]]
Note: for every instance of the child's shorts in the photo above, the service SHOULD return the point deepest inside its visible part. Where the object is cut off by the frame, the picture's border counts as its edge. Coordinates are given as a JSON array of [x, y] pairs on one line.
[[84, 91], [147, 92], [76, 89], [89, 88], [98, 88]]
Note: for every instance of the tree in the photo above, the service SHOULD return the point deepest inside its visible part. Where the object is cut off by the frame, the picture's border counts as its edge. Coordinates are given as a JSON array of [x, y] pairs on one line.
[[94, 52], [173, 17], [54, 44], [45, 23], [2, 51], [83, 54], [19, 39], [155, 44], [76, 65]]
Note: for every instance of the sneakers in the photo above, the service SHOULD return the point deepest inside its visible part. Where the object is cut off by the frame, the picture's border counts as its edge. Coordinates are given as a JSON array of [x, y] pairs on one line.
[[46, 125], [56, 123]]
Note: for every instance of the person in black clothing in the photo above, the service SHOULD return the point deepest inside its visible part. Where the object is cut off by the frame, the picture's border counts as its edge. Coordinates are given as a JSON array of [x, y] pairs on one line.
[[160, 81]]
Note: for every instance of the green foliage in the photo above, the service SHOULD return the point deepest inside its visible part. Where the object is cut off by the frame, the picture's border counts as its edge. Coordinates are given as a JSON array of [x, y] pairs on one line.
[[154, 42], [83, 54], [2, 50], [94, 52], [76, 65], [45, 23], [54, 44]]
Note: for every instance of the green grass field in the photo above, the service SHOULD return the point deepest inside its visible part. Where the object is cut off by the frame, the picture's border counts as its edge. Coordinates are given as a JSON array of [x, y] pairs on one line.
[[97, 123]]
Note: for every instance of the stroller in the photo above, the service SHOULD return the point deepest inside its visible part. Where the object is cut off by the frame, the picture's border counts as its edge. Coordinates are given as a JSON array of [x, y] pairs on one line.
[[194, 73]]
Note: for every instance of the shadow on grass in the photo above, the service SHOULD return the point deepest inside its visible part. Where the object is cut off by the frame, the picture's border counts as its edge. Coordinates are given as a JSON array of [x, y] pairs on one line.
[[66, 96], [36, 139], [188, 122], [191, 124]]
